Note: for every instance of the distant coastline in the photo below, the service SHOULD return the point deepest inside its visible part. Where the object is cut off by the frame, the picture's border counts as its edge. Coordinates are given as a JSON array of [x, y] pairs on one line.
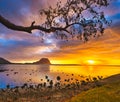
[[41, 61], [46, 61]]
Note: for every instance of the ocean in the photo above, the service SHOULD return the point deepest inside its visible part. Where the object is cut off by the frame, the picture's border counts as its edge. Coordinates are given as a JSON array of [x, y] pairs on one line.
[[17, 75]]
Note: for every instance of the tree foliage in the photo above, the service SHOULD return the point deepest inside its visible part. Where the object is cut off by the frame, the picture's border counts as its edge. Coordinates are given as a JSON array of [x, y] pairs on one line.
[[79, 19], [76, 19]]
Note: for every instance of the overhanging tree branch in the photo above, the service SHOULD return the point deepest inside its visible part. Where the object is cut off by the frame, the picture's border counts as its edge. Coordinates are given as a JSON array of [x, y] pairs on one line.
[[65, 17], [28, 29]]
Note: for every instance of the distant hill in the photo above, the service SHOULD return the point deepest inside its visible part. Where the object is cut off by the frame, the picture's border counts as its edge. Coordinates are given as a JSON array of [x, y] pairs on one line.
[[4, 61], [43, 61]]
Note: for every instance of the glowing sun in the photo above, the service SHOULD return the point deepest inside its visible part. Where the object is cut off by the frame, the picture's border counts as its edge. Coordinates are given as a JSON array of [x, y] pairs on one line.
[[91, 62]]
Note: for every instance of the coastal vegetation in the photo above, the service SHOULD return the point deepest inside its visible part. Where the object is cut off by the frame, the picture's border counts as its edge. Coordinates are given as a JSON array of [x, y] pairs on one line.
[[49, 91], [110, 92]]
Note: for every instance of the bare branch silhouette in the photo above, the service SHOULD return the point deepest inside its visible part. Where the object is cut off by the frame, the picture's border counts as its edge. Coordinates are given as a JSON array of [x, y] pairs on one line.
[[79, 19]]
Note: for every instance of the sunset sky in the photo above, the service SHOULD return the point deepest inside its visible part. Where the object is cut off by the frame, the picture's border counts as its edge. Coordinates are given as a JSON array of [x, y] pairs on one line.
[[23, 47]]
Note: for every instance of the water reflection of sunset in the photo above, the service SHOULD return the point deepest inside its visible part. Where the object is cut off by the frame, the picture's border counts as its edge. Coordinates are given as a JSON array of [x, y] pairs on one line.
[[86, 70], [35, 74]]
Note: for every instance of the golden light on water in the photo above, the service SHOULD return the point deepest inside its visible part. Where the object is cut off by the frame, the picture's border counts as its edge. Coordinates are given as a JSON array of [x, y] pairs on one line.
[[86, 70]]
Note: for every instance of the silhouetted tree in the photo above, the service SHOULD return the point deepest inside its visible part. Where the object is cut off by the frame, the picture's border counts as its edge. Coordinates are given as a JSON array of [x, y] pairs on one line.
[[95, 79], [100, 77], [79, 19], [58, 78], [87, 79], [51, 83], [44, 84], [46, 77], [7, 86], [83, 82], [48, 80]]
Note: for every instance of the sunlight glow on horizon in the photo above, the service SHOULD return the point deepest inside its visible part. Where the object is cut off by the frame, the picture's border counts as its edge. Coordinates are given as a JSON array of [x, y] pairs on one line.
[[67, 60], [91, 62], [19, 47]]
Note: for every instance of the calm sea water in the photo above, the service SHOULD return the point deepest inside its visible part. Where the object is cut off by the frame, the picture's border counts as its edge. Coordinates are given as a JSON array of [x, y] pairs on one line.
[[17, 75]]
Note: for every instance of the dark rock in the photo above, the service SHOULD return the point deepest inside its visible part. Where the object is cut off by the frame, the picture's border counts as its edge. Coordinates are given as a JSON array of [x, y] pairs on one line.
[[43, 61], [4, 61]]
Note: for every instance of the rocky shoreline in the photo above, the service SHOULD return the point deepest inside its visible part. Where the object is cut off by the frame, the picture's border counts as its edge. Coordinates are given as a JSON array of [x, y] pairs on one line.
[[57, 92]]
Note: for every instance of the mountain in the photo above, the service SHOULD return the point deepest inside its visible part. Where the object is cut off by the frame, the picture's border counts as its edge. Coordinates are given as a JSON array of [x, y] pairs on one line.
[[43, 61], [4, 61]]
